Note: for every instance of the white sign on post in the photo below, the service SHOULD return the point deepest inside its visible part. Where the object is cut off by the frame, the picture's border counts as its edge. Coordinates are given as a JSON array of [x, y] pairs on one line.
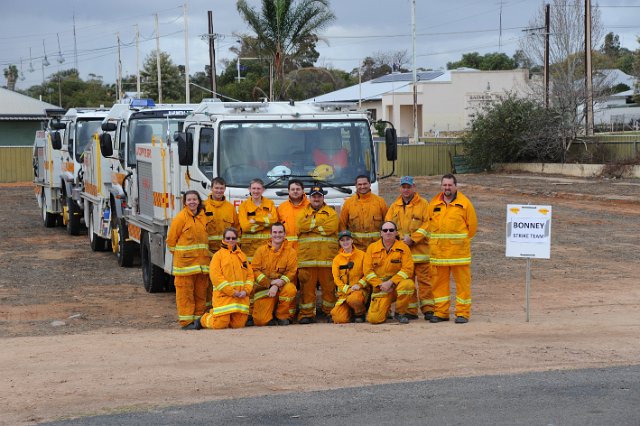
[[528, 231]]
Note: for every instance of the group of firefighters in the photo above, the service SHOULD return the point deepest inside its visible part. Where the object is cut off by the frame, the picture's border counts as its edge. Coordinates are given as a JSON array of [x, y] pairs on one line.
[[363, 260]]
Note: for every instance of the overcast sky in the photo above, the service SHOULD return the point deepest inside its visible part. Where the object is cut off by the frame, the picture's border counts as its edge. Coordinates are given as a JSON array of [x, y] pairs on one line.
[[445, 30]]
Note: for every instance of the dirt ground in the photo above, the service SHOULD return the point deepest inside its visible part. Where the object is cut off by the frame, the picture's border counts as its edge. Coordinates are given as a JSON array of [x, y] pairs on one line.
[[80, 336]]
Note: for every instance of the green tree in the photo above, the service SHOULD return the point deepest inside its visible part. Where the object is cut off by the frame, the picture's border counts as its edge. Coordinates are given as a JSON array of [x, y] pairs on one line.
[[513, 129], [171, 77], [11, 74], [611, 45], [285, 29], [486, 62]]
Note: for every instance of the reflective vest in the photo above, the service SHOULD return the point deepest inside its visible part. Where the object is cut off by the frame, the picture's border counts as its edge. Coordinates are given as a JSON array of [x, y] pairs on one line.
[[219, 216], [317, 237], [381, 265], [230, 272], [188, 241], [412, 219], [363, 215]]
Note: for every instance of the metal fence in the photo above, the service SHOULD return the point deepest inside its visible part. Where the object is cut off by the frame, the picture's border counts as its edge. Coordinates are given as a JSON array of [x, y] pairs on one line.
[[16, 164]]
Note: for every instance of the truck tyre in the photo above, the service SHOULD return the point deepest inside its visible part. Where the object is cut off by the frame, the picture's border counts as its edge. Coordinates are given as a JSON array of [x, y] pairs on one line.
[[49, 219], [73, 221], [96, 242], [153, 277], [124, 250]]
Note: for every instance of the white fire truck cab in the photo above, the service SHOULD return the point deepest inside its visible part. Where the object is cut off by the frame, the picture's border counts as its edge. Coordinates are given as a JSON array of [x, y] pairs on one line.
[[58, 165], [111, 187], [328, 144]]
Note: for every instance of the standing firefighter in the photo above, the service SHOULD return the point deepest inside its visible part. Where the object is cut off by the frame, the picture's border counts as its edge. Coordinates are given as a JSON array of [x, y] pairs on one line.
[[410, 212], [388, 269], [232, 279], [274, 265], [289, 211], [349, 280], [317, 245], [256, 216], [187, 240], [220, 214], [452, 223], [363, 213]]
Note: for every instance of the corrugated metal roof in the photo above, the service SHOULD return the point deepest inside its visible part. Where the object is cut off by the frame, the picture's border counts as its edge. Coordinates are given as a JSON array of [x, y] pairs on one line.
[[21, 107], [408, 76]]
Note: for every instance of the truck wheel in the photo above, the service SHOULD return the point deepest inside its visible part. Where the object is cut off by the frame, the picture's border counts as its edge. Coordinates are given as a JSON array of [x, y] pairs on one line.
[[125, 250], [153, 277], [49, 219], [73, 221], [96, 242]]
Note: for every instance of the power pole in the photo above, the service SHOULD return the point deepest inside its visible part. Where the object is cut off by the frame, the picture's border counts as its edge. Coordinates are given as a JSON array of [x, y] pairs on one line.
[[415, 79], [187, 90], [119, 82], [547, 13], [587, 70], [158, 61], [212, 56], [138, 62]]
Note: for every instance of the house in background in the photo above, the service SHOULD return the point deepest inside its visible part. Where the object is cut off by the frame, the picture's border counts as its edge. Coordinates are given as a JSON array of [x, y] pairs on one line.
[[21, 116], [446, 100]]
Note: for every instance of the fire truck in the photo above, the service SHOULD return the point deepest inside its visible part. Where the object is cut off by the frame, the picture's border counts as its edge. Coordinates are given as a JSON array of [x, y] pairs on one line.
[[111, 178], [330, 144], [58, 160]]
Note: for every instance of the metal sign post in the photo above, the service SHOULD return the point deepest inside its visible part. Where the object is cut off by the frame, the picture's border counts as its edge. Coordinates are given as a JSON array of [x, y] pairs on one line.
[[528, 235]]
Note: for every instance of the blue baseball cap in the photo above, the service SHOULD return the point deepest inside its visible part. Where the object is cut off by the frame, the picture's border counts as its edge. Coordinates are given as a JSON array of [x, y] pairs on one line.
[[406, 180]]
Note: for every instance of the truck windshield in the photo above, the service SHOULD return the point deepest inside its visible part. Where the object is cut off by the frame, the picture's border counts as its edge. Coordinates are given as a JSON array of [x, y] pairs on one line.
[[85, 129], [146, 130], [332, 151]]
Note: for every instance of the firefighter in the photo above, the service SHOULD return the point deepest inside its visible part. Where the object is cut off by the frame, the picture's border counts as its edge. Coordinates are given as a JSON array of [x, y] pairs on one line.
[[317, 245], [452, 223], [351, 288], [388, 269], [256, 215], [410, 212], [363, 213], [274, 266], [219, 214], [232, 279], [289, 211], [187, 240]]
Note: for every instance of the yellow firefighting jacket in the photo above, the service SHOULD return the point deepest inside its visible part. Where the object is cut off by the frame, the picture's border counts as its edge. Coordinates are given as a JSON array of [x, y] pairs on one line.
[[317, 236], [363, 215], [257, 233], [269, 265], [347, 278], [219, 216], [230, 272], [187, 240], [379, 265], [288, 214], [452, 227], [412, 219]]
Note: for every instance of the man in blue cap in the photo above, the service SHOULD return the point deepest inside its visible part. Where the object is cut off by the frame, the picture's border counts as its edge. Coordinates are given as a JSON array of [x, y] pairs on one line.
[[410, 213]]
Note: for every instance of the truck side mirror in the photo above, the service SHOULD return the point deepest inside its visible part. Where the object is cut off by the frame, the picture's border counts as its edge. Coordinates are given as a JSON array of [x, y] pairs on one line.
[[391, 142], [109, 126], [185, 148], [106, 145], [56, 140]]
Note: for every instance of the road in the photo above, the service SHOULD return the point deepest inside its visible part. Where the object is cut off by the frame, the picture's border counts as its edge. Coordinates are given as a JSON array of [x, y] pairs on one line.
[[605, 396]]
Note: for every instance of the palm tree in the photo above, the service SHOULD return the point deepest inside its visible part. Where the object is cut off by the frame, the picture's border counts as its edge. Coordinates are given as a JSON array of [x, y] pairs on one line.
[[11, 74], [284, 28]]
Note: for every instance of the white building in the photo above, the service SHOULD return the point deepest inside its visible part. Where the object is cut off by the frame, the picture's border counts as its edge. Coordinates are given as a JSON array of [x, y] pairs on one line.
[[445, 99]]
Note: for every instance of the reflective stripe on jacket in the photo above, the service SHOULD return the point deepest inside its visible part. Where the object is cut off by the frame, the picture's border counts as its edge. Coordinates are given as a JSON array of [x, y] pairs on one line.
[[255, 233], [452, 227], [187, 240], [288, 214]]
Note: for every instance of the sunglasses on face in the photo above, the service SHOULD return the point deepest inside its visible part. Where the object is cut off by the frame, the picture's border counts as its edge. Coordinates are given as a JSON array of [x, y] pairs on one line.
[[231, 238], [388, 230]]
